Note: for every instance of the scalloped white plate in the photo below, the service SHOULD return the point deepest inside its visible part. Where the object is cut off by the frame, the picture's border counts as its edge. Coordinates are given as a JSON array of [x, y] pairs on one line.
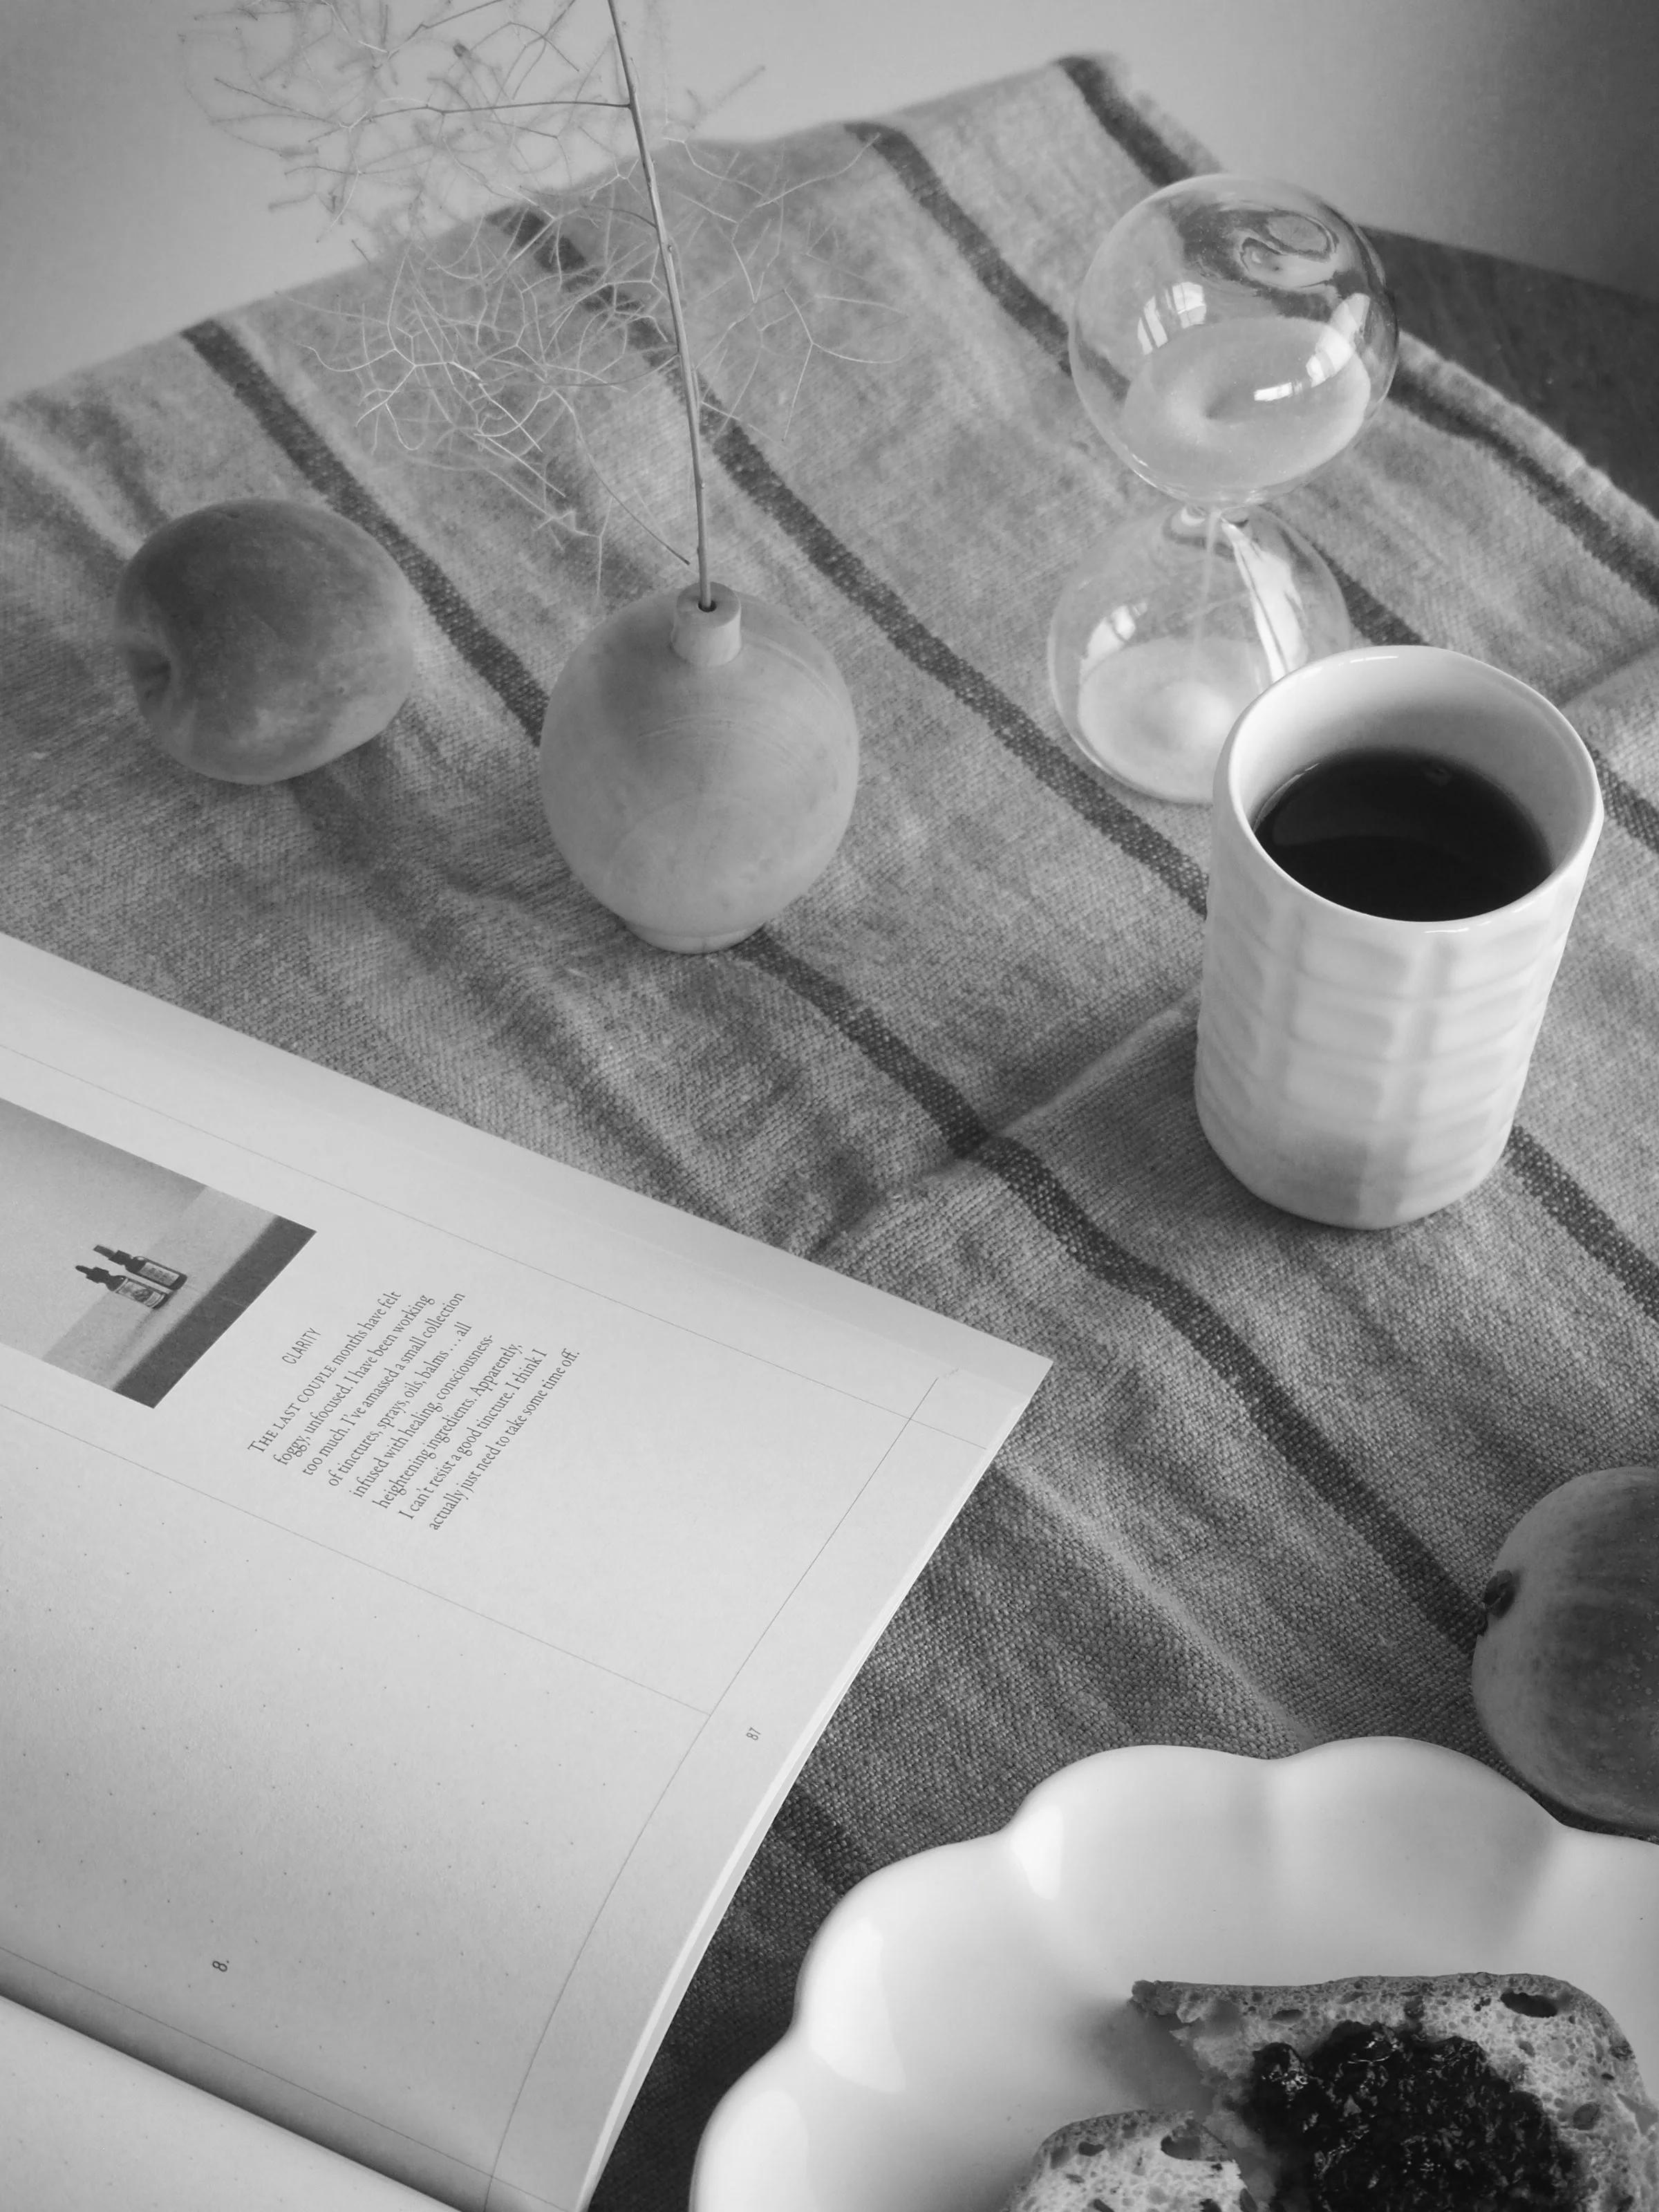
[[957, 2005]]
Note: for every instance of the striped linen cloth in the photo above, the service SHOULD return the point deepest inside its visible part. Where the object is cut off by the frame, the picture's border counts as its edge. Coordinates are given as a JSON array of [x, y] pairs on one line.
[[1252, 1505]]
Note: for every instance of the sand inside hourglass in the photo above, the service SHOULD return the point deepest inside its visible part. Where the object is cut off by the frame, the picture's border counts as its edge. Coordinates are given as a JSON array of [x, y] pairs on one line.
[[1157, 713], [1230, 411]]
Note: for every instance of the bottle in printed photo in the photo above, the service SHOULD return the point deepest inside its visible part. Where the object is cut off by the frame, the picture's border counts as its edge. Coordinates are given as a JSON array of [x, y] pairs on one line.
[[125, 1287], [149, 1271]]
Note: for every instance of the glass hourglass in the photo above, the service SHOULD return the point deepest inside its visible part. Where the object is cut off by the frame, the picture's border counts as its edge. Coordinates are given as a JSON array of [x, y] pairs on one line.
[[1230, 336]]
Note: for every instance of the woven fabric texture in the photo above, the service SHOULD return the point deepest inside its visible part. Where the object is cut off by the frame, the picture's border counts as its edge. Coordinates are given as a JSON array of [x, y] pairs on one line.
[[1253, 1504]]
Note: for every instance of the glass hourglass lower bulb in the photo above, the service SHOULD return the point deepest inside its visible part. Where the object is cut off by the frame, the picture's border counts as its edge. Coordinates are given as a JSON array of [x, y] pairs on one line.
[[1164, 709], [1168, 630]]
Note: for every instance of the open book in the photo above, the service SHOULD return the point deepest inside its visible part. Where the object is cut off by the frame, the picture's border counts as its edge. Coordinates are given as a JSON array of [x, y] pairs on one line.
[[423, 1569]]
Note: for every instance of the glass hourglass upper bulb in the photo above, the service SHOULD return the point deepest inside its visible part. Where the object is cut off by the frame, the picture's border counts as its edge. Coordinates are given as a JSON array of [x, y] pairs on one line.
[[1231, 336]]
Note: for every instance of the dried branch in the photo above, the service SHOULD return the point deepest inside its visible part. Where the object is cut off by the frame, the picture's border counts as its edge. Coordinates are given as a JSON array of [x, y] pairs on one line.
[[545, 262]]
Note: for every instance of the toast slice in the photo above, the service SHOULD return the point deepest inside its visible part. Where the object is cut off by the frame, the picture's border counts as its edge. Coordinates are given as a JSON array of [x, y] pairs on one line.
[[1555, 2118], [1132, 2162]]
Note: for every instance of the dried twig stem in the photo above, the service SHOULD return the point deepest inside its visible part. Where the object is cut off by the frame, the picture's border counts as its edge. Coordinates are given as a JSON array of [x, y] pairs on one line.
[[672, 286]]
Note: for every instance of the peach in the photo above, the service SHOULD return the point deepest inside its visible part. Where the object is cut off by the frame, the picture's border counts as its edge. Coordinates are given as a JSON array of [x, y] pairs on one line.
[[264, 637], [1566, 1675]]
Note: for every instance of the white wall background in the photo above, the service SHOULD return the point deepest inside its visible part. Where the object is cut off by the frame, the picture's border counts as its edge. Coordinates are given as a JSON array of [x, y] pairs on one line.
[[1526, 127]]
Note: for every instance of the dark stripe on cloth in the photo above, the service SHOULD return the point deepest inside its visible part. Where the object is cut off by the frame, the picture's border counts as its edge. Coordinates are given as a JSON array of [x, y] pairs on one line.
[[1589, 1226], [1637, 816], [322, 469], [1006, 285], [1123, 123], [1376, 623], [1293, 1434], [1597, 535], [821, 1842]]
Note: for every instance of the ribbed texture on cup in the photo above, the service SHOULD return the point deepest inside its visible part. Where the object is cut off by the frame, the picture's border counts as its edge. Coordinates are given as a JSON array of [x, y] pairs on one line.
[[1356, 1069]]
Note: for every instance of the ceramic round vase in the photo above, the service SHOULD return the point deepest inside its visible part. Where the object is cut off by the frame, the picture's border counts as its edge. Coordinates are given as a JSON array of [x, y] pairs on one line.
[[698, 765]]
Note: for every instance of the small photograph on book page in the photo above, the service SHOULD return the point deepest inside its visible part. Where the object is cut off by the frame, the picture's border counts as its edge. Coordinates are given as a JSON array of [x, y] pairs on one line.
[[123, 1272]]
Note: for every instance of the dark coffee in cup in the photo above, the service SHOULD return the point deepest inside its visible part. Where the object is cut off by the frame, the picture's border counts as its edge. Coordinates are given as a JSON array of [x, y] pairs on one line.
[[1405, 834]]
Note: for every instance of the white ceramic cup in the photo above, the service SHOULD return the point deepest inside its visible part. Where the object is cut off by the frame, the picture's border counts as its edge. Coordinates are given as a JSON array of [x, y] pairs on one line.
[[1351, 1067]]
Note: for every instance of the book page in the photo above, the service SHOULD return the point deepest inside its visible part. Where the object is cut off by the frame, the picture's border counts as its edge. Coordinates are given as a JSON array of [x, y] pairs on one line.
[[86, 2128], [424, 1570]]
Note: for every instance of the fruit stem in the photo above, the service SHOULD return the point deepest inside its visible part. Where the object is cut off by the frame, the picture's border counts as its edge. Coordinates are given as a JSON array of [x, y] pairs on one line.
[[1498, 1596], [670, 281]]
